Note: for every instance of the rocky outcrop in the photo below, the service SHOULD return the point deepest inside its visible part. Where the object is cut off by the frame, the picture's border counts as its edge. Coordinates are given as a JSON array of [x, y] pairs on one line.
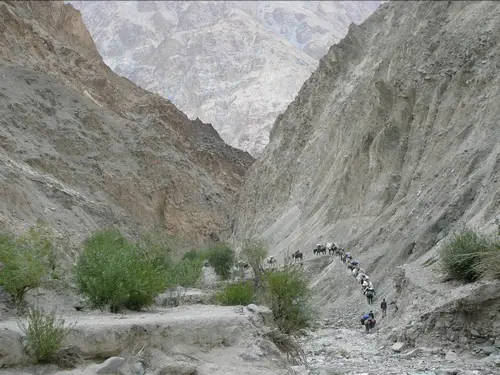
[[236, 64], [202, 340], [391, 144], [83, 148]]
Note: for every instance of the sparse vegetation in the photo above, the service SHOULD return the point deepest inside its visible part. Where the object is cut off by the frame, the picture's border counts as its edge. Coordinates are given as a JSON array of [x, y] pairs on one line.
[[489, 264], [221, 258], [195, 254], [465, 256], [22, 264], [254, 251], [186, 272], [287, 294], [240, 293], [45, 333], [113, 271]]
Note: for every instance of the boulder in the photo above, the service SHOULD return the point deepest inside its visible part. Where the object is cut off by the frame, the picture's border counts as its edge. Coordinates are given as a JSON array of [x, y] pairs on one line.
[[489, 350], [264, 314], [497, 343], [398, 347], [178, 368], [138, 369], [110, 365], [11, 348], [474, 332]]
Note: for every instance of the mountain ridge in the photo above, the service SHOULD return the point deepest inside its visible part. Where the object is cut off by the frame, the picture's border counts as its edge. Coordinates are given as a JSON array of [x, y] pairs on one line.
[[84, 148], [233, 64]]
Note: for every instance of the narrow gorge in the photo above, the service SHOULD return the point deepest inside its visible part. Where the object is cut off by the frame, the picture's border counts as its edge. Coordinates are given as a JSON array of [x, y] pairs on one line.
[[390, 148]]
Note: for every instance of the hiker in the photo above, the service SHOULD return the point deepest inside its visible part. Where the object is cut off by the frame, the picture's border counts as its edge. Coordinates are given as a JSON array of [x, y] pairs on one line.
[[371, 314], [363, 318], [383, 307]]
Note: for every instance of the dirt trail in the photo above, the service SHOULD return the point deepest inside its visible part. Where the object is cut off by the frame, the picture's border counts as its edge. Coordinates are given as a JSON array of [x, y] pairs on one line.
[[214, 339], [340, 345], [332, 351]]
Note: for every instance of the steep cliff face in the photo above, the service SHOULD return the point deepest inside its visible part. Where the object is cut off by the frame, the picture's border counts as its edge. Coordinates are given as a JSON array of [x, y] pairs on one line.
[[83, 148], [235, 64], [393, 141]]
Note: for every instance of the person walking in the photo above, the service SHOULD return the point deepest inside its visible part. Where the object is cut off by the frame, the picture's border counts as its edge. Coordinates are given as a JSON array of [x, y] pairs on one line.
[[383, 306]]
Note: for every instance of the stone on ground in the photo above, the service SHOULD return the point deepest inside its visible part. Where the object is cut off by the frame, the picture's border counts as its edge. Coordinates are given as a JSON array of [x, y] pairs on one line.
[[110, 365], [398, 347], [178, 368]]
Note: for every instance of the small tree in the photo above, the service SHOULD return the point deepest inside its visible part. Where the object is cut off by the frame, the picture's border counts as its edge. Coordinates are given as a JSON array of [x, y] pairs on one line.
[[112, 271], [254, 251], [286, 292], [22, 266], [221, 258]]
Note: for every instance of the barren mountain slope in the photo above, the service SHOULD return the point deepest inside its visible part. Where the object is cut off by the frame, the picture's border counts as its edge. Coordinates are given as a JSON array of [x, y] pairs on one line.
[[83, 148], [234, 64], [391, 144]]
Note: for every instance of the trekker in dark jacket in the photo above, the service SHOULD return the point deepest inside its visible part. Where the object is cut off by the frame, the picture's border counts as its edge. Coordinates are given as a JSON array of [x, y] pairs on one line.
[[383, 306]]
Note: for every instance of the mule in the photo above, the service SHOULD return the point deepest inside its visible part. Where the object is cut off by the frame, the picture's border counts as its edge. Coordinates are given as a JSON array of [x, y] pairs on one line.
[[369, 324], [297, 255]]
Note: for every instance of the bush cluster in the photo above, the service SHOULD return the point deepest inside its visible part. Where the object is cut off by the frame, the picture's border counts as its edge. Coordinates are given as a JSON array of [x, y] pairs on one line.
[[22, 264], [469, 255], [287, 294], [115, 272], [221, 257], [254, 251], [285, 291], [235, 294], [45, 333]]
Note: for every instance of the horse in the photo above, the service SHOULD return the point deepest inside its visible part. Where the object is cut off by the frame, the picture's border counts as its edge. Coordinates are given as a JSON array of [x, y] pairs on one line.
[[331, 249], [320, 249], [271, 261], [369, 293], [369, 324], [297, 255]]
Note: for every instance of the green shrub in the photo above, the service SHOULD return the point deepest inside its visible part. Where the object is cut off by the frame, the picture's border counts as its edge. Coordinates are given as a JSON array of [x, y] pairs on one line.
[[489, 265], [461, 256], [186, 273], [112, 271], [254, 251], [157, 248], [241, 293], [195, 255], [221, 258], [44, 333], [287, 294], [22, 266]]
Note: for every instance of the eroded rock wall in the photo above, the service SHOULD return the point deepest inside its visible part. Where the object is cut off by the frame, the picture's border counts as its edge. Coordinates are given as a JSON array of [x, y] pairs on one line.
[[83, 148], [391, 144]]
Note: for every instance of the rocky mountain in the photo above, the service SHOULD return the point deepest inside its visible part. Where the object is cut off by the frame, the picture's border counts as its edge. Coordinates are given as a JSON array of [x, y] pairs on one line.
[[83, 148], [390, 146], [235, 64]]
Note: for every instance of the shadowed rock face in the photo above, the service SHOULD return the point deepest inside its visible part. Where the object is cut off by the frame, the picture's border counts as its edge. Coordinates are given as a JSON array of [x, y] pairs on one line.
[[83, 148], [393, 141]]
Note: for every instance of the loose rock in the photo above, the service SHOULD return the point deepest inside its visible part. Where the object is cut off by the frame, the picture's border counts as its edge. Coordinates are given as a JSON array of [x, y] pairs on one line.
[[398, 347], [110, 365], [178, 368]]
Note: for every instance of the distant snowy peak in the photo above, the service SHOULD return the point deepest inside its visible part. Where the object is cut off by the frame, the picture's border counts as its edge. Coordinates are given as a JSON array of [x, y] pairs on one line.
[[235, 64]]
